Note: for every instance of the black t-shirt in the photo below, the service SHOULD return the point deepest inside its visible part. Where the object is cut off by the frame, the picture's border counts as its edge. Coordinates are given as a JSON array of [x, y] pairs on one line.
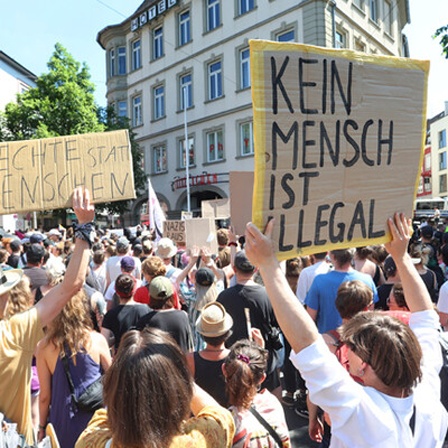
[[121, 318], [13, 261], [172, 321]]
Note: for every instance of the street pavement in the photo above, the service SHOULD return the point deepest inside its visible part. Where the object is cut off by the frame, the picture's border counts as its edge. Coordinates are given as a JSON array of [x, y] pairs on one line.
[[298, 430]]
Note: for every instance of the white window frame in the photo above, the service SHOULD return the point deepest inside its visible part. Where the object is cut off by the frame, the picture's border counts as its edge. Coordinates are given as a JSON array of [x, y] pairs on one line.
[[215, 80], [159, 159], [245, 6], [374, 10], [184, 28], [137, 117], [213, 14], [157, 42], [112, 62], [158, 93], [340, 39], [122, 108], [279, 35], [388, 17], [182, 158], [242, 138], [121, 58], [244, 59], [136, 54], [215, 145], [188, 84]]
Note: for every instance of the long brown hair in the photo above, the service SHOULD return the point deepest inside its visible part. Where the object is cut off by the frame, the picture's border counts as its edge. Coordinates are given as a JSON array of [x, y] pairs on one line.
[[72, 326], [20, 298], [147, 390]]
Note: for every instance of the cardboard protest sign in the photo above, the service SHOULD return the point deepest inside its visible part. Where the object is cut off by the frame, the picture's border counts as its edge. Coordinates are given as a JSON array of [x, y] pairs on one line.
[[175, 230], [41, 174], [241, 191], [201, 232], [215, 208], [339, 143]]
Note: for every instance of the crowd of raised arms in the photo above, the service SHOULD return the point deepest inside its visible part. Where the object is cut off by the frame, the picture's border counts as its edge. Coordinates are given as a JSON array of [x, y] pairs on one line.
[[116, 338]]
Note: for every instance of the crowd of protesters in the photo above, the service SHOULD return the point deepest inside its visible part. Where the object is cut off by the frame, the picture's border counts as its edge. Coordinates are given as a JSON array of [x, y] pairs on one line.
[[207, 349]]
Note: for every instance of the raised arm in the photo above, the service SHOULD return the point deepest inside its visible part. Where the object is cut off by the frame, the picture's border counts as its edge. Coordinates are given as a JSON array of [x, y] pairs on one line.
[[296, 324], [53, 302], [194, 255], [415, 291]]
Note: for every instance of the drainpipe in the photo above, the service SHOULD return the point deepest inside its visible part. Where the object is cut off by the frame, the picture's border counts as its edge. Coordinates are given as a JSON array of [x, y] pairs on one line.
[[333, 20]]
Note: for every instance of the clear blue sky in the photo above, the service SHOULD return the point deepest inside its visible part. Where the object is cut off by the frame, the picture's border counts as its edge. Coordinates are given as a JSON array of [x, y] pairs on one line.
[[30, 28]]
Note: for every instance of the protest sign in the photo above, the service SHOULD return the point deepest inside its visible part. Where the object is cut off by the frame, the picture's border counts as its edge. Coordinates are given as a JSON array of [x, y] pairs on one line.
[[201, 232], [215, 208], [175, 230], [241, 190], [41, 174], [338, 143]]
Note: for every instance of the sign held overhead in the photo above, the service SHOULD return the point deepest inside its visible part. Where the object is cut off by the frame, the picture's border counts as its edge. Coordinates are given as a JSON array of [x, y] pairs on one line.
[[338, 138], [41, 174]]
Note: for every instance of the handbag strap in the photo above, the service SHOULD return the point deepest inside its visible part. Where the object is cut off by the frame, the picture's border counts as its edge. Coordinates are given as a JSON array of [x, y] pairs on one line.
[[270, 429], [71, 386]]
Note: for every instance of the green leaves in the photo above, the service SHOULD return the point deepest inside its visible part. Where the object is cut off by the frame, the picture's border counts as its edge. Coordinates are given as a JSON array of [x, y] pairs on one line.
[[442, 33]]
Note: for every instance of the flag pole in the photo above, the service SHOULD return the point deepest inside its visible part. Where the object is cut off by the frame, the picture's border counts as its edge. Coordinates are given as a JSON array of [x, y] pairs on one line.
[[187, 150]]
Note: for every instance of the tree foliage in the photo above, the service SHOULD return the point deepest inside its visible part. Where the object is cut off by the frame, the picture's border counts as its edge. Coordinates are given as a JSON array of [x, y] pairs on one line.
[[62, 103], [442, 33]]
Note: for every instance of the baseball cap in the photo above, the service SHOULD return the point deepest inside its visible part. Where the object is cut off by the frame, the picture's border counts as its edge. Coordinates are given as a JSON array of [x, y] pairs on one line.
[[127, 264], [204, 277], [36, 238], [122, 243], [161, 288], [242, 263]]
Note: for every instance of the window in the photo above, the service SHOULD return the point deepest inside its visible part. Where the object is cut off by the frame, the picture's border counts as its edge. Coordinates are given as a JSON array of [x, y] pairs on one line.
[[137, 111], [121, 60], [374, 10], [427, 162], [122, 109], [442, 160], [340, 40], [442, 183], [246, 139], [112, 62], [159, 159], [184, 28], [359, 4], [286, 36], [136, 54], [159, 102], [157, 43], [186, 91], [245, 6], [244, 68], [213, 14], [427, 184], [215, 80], [388, 18], [442, 138], [191, 152], [215, 146]]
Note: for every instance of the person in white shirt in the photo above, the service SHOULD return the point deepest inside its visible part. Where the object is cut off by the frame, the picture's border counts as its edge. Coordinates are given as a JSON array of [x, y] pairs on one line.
[[399, 404], [319, 266]]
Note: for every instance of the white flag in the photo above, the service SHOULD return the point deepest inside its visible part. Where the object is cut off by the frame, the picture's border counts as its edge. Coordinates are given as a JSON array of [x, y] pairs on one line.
[[155, 212]]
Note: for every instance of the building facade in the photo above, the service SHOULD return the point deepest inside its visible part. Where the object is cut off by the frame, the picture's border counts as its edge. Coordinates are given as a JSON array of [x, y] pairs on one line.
[[438, 134], [14, 79], [187, 61]]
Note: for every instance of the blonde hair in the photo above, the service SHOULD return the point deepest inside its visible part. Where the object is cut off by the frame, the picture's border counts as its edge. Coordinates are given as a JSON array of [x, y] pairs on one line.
[[72, 326], [20, 298]]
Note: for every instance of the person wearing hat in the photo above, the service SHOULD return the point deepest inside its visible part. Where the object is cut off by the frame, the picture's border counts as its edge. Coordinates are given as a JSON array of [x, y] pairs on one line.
[[166, 250], [126, 314], [214, 325], [20, 334], [127, 266], [248, 304], [164, 316], [113, 267]]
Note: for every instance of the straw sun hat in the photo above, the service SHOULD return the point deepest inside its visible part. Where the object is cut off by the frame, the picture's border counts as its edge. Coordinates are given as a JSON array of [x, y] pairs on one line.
[[213, 321], [9, 279]]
